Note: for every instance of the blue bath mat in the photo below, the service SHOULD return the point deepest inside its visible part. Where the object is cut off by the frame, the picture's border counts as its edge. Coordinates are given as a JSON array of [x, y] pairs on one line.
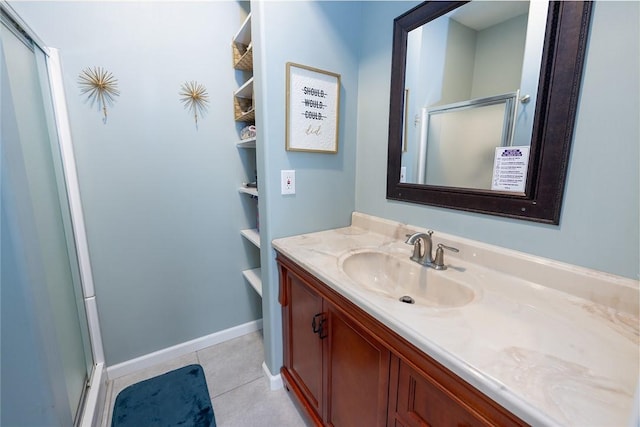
[[177, 398]]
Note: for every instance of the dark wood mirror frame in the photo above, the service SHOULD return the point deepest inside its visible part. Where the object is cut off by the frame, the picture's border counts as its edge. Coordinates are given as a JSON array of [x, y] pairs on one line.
[[558, 90]]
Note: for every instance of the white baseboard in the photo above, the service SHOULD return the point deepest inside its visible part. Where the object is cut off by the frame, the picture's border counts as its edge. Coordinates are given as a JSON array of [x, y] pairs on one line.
[[95, 399], [164, 355], [275, 381]]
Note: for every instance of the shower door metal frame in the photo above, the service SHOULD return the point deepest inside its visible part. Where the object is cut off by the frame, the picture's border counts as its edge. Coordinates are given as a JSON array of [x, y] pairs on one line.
[[96, 379], [510, 99]]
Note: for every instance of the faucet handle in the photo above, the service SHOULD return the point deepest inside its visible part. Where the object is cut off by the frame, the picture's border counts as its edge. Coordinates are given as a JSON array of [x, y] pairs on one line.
[[438, 262], [449, 248], [417, 251]]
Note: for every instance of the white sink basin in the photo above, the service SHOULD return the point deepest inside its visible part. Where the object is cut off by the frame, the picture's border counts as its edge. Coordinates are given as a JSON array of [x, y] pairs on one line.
[[395, 277]]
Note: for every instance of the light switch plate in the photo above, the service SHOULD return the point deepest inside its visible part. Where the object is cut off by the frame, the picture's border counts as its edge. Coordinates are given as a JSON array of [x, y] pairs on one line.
[[287, 182]]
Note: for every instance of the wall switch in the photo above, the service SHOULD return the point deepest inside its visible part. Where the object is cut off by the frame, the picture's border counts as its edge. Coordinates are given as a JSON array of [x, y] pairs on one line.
[[287, 182], [403, 174]]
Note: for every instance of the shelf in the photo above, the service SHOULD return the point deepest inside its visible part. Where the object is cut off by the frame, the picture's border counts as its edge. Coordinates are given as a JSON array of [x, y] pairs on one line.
[[243, 35], [242, 47], [254, 278], [249, 190], [251, 235], [244, 110], [247, 143], [246, 90]]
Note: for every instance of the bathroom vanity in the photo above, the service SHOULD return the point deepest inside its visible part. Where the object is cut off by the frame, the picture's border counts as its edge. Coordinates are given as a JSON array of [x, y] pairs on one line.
[[348, 369], [498, 338]]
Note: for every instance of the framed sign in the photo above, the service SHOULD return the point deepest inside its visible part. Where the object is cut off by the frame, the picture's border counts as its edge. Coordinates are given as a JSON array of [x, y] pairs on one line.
[[313, 107]]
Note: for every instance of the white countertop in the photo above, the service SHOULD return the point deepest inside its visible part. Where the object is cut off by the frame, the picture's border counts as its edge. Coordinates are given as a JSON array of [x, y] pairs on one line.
[[553, 343]]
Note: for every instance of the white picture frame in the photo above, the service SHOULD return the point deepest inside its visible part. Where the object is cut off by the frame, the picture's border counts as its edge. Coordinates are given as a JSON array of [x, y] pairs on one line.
[[312, 109]]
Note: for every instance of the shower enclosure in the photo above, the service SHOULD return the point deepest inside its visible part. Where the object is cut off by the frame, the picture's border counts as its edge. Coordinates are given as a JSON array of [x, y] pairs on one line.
[[48, 357], [458, 141]]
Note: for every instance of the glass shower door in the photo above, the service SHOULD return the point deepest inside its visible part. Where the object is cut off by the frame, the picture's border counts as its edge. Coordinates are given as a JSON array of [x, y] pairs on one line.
[[35, 191]]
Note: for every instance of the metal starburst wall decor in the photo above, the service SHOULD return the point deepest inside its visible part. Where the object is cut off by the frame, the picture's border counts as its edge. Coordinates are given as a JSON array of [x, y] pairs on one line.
[[100, 87], [195, 98]]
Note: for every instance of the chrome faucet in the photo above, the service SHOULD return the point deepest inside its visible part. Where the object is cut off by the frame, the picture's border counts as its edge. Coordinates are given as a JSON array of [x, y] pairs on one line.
[[422, 245]]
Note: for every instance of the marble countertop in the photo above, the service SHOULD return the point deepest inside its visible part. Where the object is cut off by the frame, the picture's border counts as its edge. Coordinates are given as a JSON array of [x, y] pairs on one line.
[[553, 343]]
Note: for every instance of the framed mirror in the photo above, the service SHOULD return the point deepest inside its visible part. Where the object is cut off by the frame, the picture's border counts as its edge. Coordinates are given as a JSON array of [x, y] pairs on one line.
[[483, 102]]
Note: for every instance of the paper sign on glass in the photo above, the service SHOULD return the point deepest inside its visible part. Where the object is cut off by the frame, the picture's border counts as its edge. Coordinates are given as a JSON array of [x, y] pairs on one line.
[[510, 169], [313, 105]]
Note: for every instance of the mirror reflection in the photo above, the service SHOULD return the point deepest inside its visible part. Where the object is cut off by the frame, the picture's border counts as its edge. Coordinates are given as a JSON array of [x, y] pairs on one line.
[[470, 95]]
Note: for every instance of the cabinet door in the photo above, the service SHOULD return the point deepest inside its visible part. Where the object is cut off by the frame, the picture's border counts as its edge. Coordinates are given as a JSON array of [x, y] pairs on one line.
[[440, 399], [357, 368], [422, 402], [303, 346]]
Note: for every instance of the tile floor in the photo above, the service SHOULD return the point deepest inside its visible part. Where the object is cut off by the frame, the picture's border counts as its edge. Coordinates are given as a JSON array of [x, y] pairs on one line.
[[240, 394]]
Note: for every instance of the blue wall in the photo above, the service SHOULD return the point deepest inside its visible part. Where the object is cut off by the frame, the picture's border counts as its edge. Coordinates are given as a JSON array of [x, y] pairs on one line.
[[600, 216], [324, 35]]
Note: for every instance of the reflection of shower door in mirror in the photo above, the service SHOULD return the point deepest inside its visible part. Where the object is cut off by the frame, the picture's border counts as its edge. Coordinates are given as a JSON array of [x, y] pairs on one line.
[[458, 141], [38, 223]]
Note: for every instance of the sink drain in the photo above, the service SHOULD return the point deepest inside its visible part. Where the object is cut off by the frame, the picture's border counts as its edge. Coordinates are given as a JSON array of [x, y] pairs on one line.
[[407, 299]]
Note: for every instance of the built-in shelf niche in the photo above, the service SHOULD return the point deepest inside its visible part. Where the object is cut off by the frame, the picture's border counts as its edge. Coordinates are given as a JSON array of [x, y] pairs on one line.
[[244, 112]]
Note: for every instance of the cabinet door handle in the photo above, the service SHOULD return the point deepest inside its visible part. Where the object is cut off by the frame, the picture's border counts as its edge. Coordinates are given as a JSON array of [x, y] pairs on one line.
[[322, 333], [317, 324]]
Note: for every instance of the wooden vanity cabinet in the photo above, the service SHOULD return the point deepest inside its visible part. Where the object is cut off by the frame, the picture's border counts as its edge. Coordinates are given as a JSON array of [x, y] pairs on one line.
[[338, 372], [346, 369], [356, 368], [302, 345]]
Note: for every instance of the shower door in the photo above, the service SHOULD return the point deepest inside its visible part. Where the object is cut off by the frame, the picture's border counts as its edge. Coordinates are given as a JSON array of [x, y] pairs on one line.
[[36, 213]]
